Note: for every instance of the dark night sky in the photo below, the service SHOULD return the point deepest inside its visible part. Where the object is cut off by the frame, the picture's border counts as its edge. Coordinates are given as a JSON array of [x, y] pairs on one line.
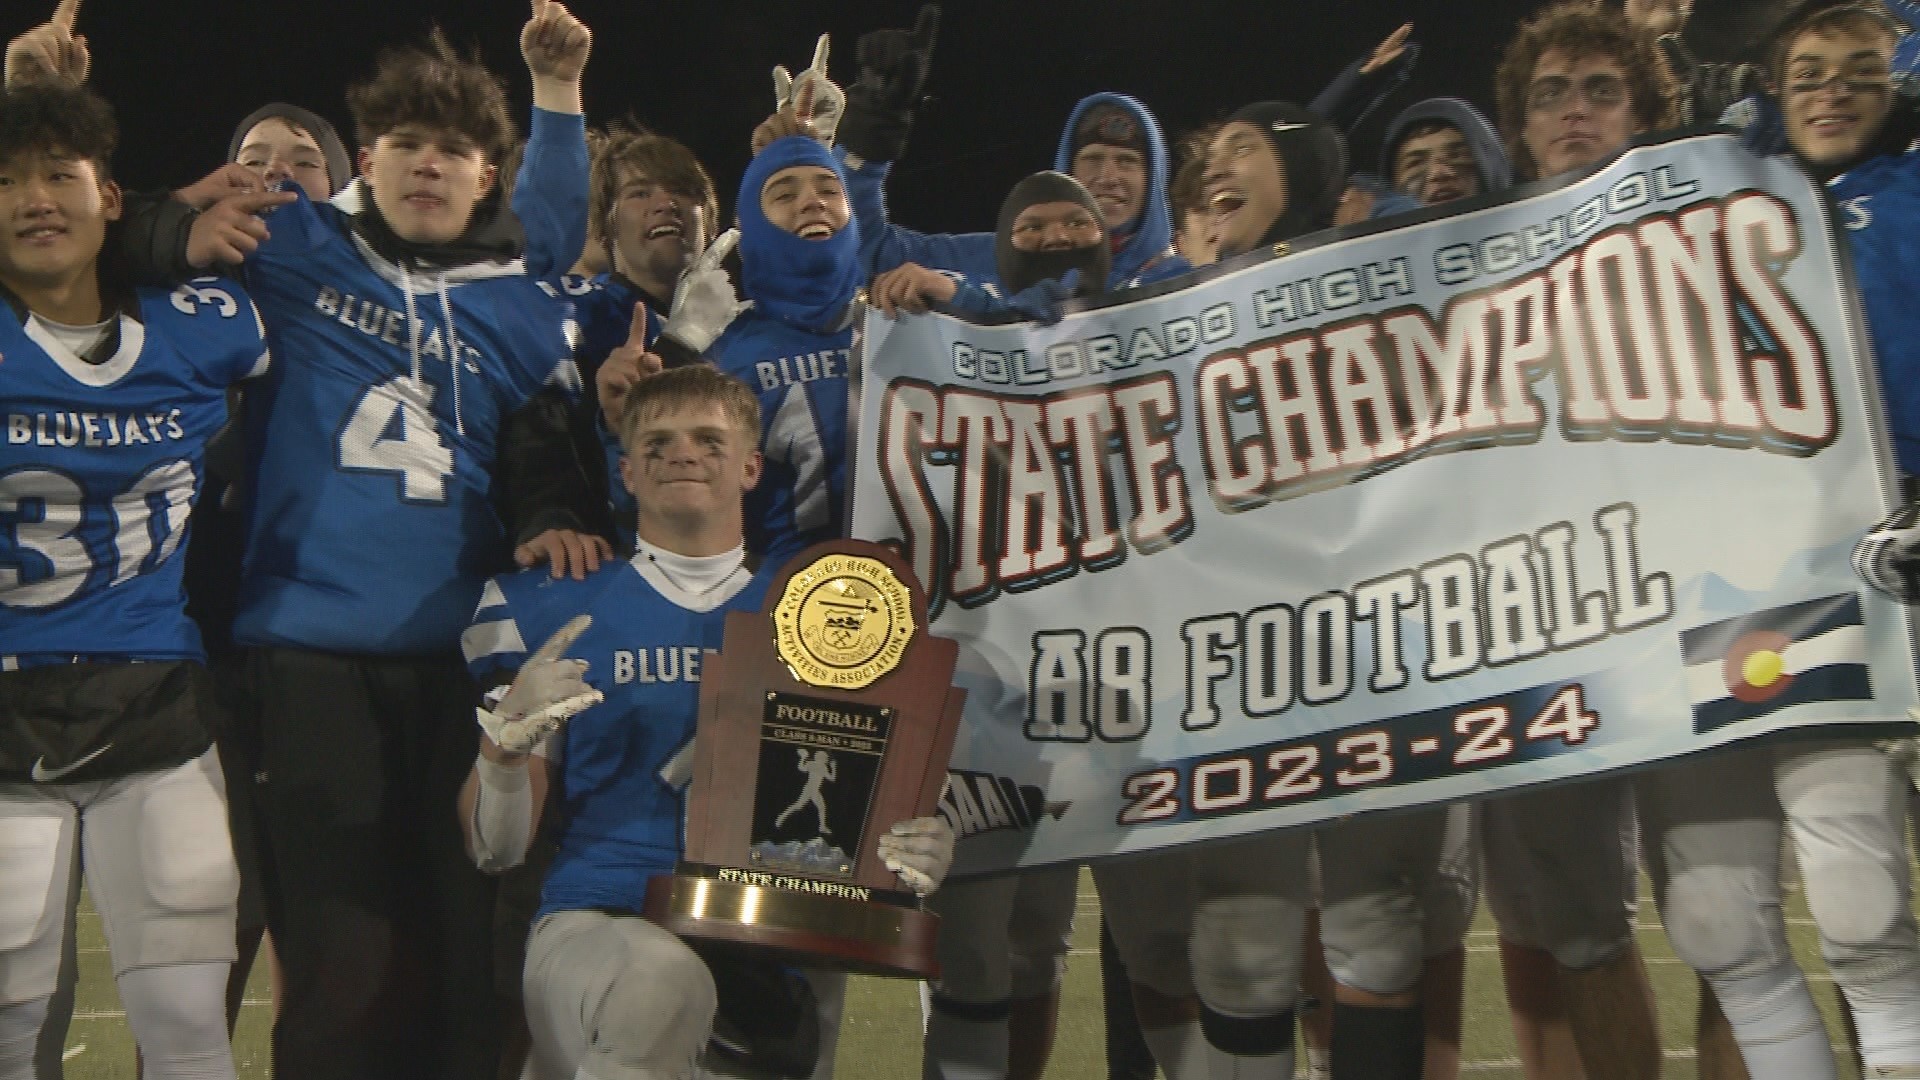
[[1005, 73]]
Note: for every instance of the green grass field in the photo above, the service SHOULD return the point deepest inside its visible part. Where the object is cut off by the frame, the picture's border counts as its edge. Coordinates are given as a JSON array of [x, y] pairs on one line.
[[881, 1040]]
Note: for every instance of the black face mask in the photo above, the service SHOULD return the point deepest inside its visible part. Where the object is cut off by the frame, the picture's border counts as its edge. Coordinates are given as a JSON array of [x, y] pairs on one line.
[[1021, 270]]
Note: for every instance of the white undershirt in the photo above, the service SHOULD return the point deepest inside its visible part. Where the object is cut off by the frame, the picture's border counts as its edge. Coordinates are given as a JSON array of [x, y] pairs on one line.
[[694, 582], [81, 340]]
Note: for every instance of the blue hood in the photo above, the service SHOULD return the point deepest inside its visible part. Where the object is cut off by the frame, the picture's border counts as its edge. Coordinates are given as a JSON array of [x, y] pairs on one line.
[[807, 283], [1153, 237], [1495, 173]]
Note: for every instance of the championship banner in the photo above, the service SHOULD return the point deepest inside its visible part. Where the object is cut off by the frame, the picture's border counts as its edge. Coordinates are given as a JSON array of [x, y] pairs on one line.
[[1561, 485]]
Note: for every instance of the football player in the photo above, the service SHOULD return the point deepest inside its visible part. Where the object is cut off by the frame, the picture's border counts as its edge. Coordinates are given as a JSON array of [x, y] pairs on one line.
[[413, 330], [111, 393], [1575, 85], [609, 995], [1716, 826]]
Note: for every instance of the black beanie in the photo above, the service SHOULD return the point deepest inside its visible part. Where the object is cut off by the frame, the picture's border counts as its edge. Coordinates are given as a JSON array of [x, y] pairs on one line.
[[1314, 157], [339, 165], [1021, 270]]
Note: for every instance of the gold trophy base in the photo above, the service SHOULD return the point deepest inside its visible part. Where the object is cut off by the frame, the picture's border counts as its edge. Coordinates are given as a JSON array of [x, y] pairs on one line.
[[866, 937]]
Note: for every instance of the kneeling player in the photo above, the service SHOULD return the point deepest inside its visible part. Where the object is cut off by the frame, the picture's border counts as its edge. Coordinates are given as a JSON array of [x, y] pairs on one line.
[[610, 995], [111, 395]]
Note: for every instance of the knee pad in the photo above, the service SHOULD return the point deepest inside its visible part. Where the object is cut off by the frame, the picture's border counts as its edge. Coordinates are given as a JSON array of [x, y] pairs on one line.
[[656, 1014], [1246, 954], [1855, 898], [1259, 1036], [974, 943], [1373, 943], [1722, 922]]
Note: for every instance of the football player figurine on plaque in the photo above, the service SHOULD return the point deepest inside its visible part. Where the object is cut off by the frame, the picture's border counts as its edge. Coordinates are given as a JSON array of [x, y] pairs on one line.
[[824, 720]]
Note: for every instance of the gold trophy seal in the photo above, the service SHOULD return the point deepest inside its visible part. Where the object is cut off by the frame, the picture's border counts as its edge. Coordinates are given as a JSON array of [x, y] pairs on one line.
[[843, 622]]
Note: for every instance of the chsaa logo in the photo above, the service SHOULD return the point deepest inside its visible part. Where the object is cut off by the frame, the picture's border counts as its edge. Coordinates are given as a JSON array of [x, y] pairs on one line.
[[977, 802]]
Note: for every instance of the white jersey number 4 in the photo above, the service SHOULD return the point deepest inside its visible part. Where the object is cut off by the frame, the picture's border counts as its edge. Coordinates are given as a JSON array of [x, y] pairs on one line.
[[392, 430]]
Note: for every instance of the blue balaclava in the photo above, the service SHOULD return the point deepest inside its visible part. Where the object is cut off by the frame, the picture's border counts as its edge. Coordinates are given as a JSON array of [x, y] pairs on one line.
[[807, 283]]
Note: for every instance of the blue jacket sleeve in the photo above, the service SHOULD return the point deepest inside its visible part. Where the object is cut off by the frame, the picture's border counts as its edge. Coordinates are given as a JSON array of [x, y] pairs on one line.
[[884, 246], [1351, 96], [550, 193]]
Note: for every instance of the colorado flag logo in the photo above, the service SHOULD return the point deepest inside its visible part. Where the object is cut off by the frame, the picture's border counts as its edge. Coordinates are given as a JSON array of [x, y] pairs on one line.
[[1749, 666]]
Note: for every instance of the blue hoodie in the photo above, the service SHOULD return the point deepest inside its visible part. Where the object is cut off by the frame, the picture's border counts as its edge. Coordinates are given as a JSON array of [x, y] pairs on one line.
[[1147, 256], [1482, 140], [794, 347]]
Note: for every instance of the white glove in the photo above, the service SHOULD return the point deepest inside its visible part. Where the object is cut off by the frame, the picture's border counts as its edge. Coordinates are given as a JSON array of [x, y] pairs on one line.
[[545, 694], [920, 851], [704, 303], [829, 101], [1888, 557], [1905, 751]]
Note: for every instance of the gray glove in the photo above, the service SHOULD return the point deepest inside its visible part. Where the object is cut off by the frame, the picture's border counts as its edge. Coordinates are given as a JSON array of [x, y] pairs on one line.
[[704, 302], [920, 852], [829, 101], [547, 692]]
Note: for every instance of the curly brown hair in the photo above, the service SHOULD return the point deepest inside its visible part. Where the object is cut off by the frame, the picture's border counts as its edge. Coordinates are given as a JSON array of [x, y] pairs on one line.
[[1578, 28], [665, 161], [433, 87], [57, 117]]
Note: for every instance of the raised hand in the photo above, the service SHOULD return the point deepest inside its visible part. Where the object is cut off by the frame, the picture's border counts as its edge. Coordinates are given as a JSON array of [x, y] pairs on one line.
[[894, 63], [230, 230], [624, 368], [50, 51], [547, 692], [1389, 50], [893, 76], [555, 46], [829, 101], [704, 301]]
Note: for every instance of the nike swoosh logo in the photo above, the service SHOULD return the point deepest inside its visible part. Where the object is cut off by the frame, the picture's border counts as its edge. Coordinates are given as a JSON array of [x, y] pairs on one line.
[[1278, 128], [44, 775]]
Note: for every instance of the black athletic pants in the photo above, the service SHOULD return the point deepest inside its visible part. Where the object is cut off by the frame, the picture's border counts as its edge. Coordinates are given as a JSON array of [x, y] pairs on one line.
[[381, 922], [1128, 1057]]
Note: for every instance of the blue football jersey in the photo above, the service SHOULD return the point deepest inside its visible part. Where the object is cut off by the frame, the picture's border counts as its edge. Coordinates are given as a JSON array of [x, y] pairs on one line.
[[373, 441], [1879, 203], [802, 380], [100, 467], [619, 819], [603, 306]]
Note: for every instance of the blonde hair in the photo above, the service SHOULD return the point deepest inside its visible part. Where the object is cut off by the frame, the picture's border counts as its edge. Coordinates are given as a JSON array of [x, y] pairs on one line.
[[687, 387]]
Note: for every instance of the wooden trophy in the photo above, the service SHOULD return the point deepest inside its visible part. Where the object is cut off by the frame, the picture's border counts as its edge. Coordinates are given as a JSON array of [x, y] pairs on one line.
[[825, 719]]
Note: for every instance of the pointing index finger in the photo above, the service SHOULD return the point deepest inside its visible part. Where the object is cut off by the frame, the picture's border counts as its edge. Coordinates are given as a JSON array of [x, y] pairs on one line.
[[563, 639], [819, 54], [721, 247], [927, 26], [637, 330], [65, 14]]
